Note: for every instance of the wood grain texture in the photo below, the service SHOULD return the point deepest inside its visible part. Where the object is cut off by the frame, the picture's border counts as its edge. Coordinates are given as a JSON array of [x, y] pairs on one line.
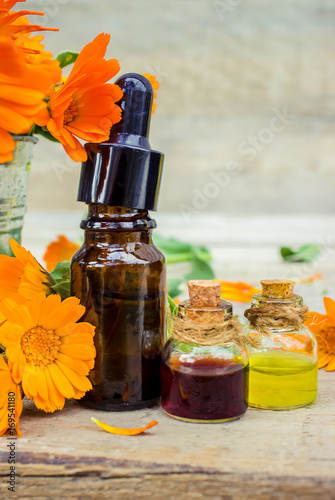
[[265, 455]]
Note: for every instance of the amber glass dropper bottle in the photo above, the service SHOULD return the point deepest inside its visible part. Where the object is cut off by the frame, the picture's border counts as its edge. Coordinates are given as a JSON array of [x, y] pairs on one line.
[[118, 273]]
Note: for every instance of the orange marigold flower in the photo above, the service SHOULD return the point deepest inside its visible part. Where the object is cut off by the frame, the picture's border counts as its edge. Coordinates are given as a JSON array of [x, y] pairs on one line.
[[22, 277], [13, 23], [323, 327], [50, 352], [23, 88], [155, 86], [10, 400], [238, 292], [58, 251], [35, 54], [84, 106]]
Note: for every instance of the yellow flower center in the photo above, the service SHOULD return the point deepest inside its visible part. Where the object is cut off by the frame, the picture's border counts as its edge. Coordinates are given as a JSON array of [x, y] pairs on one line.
[[70, 113], [40, 346], [326, 339]]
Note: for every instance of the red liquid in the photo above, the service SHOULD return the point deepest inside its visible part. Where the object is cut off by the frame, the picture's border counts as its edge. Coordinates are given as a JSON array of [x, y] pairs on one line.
[[205, 389]]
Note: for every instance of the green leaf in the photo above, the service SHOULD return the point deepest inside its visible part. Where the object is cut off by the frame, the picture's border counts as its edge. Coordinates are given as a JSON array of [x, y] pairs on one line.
[[173, 306], [61, 270], [200, 270], [178, 257], [306, 253], [171, 245], [66, 58], [63, 288], [45, 133], [178, 251], [174, 250], [202, 253], [62, 276], [286, 252], [174, 287]]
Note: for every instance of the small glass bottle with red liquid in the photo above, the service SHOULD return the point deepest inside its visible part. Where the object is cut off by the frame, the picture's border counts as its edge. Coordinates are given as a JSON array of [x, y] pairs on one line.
[[204, 383]]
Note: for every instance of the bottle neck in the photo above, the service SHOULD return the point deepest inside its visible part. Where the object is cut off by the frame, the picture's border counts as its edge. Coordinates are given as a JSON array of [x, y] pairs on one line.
[[109, 224], [205, 314], [271, 305], [260, 300]]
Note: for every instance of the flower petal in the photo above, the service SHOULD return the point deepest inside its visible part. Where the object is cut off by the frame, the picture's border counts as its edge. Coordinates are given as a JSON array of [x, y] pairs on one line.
[[17, 358], [324, 360], [83, 352], [79, 381], [15, 314], [330, 308], [331, 365], [69, 310], [60, 380], [10, 335], [75, 364]]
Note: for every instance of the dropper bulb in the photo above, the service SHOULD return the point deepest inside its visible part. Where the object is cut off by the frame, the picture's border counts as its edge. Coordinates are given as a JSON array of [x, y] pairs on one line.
[[125, 171], [136, 105]]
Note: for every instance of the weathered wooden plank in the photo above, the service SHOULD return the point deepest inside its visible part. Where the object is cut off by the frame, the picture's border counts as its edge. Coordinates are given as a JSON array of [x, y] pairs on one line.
[[175, 486], [264, 455]]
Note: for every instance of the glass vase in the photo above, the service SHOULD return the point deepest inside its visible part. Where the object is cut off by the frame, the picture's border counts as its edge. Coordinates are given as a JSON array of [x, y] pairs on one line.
[[13, 192]]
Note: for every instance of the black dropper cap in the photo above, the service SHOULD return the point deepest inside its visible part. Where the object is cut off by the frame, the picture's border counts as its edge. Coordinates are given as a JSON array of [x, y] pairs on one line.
[[125, 171]]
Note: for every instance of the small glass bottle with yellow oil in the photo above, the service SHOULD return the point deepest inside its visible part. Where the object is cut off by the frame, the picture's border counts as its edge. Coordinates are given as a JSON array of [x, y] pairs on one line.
[[283, 366]]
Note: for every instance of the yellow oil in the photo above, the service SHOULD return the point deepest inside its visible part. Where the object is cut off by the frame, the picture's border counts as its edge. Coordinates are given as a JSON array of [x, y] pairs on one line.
[[281, 380]]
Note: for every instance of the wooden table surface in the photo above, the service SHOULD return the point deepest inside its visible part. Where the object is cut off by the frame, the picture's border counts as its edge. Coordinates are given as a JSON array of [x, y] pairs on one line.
[[264, 455]]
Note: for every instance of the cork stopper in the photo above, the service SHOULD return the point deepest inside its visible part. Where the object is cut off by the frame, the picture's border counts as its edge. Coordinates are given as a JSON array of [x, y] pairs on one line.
[[282, 289], [204, 293]]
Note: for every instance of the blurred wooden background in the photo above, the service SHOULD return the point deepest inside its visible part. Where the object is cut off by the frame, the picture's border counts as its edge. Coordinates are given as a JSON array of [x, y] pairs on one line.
[[245, 112]]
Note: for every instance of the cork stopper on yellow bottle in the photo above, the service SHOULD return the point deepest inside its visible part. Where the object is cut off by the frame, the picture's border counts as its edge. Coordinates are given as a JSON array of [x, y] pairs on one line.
[[204, 293], [281, 289]]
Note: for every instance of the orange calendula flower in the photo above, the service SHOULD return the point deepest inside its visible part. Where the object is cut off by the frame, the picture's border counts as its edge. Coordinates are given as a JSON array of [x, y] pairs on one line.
[[58, 251], [155, 86], [238, 292], [84, 106], [323, 327], [23, 86], [34, 52], [22, 277], [50, 352], [11, 22], [10, 401]]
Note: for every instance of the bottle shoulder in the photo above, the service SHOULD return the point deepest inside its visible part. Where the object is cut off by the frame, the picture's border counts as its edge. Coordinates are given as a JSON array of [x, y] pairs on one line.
[[139, 253], [193, 353], [300, 340]]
